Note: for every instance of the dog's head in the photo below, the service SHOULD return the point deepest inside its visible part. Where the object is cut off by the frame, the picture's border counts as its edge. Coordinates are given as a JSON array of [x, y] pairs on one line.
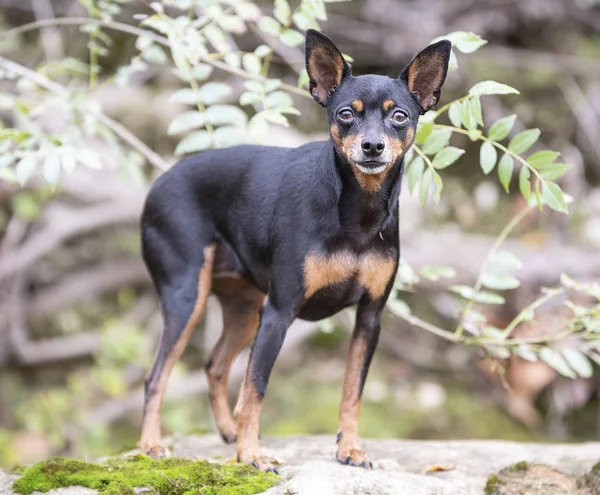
[[372, 118]]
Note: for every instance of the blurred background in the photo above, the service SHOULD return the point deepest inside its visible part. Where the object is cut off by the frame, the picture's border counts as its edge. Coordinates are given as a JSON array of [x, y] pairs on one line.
[[79, 320]]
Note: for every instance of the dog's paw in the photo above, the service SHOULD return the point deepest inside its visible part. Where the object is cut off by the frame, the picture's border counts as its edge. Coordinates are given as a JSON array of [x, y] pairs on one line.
[[261, 462], [157, 452], [354, 457], [229, 437]]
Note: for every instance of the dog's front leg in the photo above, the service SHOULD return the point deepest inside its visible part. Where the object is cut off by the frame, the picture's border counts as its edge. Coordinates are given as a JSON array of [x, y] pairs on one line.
[[269, 339], [362, 346]]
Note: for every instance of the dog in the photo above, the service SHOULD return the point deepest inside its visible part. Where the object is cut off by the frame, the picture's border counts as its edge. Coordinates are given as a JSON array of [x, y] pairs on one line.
[[281, 233]]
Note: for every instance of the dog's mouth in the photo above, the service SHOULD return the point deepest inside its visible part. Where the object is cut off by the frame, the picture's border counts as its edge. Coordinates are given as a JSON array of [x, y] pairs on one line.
[[371, 167]]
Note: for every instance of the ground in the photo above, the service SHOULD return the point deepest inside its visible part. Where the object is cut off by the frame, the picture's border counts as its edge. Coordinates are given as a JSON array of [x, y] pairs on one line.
[[410, 467]]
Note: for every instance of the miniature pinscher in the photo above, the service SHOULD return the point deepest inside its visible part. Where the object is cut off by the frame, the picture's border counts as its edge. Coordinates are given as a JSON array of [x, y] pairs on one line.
[[281, 233]]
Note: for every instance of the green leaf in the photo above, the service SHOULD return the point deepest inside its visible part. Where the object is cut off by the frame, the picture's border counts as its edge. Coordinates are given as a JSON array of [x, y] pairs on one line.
[[455, 114], [555, 360], [25, 169], [225, 114], [542, 158], [499, 281], [251, 63], [291, 37], [268, 25], [434, 273], [263, 50], [229, 136], [233, 59], [492, 88], [501, 128], [505, 170], [279, 99], [232, 24], [9, 175], [523, 141], [526, 352], [282, 11], [579, 362], [185, 122], [304, 21], [437, 179], [258, 128], [553, 197], [398, 307], [488, 298], [424, 130], [196, 141], [475, 109], [446, 157], [415, 171], [426, 179], [436, 141], [184, 95], [213, 92], [469, 119], [488, 157], [52, 170], [507, 260], [525, 183], [554, 171], [248, 97], [247, 11], [465, 42]]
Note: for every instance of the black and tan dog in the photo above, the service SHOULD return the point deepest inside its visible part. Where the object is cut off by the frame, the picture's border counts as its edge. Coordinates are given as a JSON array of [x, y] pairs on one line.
[[278, 233]]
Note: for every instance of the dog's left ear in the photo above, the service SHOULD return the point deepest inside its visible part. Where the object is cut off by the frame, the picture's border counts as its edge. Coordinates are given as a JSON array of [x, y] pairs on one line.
[[325, 65], [426, 73]]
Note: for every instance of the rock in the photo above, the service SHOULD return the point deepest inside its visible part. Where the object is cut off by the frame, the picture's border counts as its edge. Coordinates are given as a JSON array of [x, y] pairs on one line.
[[401, 467]]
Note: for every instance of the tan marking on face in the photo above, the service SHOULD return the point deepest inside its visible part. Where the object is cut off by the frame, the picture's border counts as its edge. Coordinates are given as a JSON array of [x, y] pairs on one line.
[[358, 105], [324, 271], [388, 105], [151, 427], [375, 273]]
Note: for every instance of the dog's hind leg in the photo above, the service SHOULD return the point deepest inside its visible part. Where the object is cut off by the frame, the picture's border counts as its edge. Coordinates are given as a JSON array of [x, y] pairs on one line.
[[183, 298], [241, 303]]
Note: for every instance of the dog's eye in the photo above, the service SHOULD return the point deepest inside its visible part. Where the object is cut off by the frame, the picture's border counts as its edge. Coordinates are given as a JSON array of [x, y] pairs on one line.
[[345, 115], [400, 117]]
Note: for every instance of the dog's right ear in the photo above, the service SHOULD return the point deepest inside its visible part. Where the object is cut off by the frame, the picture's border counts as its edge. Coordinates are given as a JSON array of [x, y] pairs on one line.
[[325, 65]]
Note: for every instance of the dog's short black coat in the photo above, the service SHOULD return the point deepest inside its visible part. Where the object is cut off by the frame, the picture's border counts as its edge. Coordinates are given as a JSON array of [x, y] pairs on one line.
[[289, 233]]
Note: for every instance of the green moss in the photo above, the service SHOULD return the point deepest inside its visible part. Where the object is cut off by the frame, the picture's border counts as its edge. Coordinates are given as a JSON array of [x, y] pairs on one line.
[[519, 467], [492, 484], [119, 476], [596, 467]]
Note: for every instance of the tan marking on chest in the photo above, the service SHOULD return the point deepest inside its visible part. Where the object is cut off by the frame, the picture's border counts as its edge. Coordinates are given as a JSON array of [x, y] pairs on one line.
[[373, 271], [370, 182]]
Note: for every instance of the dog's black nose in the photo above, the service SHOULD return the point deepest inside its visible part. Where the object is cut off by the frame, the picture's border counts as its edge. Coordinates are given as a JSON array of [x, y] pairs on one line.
[[372, 148]]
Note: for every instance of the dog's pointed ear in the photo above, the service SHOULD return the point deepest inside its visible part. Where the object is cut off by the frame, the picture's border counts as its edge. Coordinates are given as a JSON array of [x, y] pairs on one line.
[[426, 73], [325, 65]]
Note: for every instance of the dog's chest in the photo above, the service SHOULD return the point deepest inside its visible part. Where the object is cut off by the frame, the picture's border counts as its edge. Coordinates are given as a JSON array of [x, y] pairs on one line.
[[370, 271]]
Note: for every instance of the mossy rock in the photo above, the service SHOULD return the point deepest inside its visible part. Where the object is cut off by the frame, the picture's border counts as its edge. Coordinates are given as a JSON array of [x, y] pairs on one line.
[[537, 479], [120, 476]]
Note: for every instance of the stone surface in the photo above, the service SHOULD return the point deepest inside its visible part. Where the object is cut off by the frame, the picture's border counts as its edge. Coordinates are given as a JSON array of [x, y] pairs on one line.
[[401, 467]]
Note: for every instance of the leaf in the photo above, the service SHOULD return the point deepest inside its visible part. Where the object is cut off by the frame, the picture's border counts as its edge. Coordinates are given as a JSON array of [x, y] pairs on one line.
[[225, 114], [89, 158], [398, 307], [475, 109], [415, 171], [251, 63], [556, 362], [279, 99], [501, 128], [51, 170], [488, 298], [500, 282], [553, 197], [282, 11], [507, 260], [437, 179], [232, 24], [492, 88], [469, 119], [487, 157], [579, 362], [505, 170], [249, 97], [424, 130], [523, 141], [465, 42], [446, 157], [455, 114], [196, 141], [291, 37], [554, 171], [229, 136], [25, 169], [258, 128], [525, 183], [436, 141], [185, 122], [268, 25], [434, 273], [185, 95], [233, 59], [426, 179], [213, 92], [304, 21], [542, 158], [263, 50], [526, 352]]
